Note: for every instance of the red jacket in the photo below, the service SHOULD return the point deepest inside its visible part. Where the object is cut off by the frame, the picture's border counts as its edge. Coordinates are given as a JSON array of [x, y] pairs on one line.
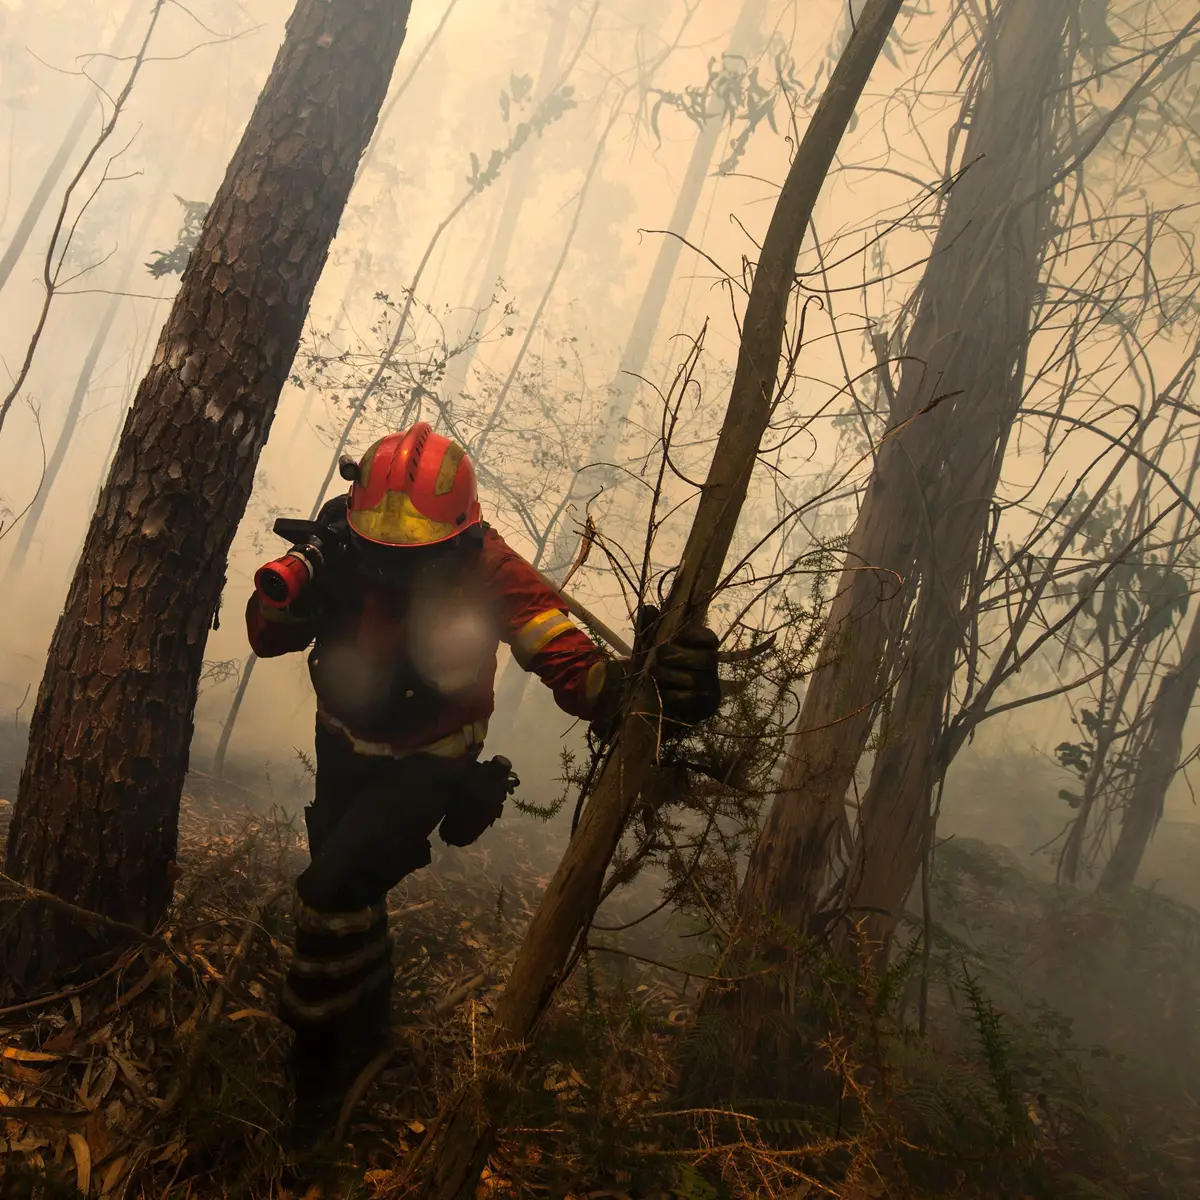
[[406, 667]]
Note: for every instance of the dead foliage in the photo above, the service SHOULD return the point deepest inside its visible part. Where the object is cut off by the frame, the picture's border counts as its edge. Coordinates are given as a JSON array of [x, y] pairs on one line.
[[163, 1075]]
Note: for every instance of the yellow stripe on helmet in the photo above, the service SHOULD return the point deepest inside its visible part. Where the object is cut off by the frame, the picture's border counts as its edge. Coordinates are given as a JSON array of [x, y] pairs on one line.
[[396, 522], [448, 471]]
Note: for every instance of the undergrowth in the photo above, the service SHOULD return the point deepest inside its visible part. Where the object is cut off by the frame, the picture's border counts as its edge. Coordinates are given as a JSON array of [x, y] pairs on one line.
[[1055, 1061]]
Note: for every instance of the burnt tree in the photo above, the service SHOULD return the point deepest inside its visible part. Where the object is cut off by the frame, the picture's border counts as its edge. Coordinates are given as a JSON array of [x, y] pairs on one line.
[[96, 816]]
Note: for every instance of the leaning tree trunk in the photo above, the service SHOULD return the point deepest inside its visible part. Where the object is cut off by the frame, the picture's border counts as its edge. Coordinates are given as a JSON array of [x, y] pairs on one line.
[[573, 893], [53, 172], [1157, 765], [957, 397], [96, 818]]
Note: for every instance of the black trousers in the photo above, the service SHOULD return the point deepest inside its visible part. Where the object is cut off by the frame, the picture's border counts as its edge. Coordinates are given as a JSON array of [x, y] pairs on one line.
[[368, 827]]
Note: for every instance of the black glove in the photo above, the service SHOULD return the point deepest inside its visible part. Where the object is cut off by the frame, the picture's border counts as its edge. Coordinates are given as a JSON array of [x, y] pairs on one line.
[[476, 807], [685, 672]]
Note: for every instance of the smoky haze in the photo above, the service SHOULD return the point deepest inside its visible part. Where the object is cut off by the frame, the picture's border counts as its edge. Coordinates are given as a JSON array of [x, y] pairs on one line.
[[584, 202]]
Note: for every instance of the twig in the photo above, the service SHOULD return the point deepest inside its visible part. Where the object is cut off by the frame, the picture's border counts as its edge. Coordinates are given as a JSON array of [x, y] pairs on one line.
[[46, 1116], [585, 548], [50, 271], [252, 921], [453, 998], [654, 962], [89, 917], [589, 618], [66, 993], [359, 1087]]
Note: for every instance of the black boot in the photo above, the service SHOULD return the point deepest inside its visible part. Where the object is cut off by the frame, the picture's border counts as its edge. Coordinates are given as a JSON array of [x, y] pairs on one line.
[[316, 1098], [367, 1036], [327, 1059]]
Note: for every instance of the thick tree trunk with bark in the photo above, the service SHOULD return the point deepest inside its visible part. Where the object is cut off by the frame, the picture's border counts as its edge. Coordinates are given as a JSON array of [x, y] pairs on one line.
[[913, 545], [573, 893], [1157, 766], [97, 810]]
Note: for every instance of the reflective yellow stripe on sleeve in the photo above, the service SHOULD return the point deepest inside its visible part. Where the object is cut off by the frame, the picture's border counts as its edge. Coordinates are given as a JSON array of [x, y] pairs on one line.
[[535, 635]]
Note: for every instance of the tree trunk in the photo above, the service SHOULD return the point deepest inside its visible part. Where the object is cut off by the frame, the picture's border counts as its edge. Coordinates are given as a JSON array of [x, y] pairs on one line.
[[53, 173], [1111, 709], [514, 201], [965, 351], [947, 351], [96, 817], [986, 301], [573, 893], [1157, 766]]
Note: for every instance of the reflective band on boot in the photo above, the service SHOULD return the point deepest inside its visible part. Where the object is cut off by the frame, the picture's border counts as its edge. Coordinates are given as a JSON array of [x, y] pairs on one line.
[[339, 959], [347, 964], [311, 920], [310, 1011]]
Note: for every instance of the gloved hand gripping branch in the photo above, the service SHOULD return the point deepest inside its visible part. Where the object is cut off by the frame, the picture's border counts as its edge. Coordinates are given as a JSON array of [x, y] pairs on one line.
[[684, 672]]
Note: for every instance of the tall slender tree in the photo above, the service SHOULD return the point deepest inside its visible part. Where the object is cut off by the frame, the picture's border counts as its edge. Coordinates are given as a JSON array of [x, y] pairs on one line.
[[574, 891], [1158, 763], [96, 817], [949, 341], [965, 321], [70, 140], [896, 626]]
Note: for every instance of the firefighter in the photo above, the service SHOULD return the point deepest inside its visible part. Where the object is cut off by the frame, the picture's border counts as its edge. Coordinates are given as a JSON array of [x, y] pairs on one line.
[[414, 594]]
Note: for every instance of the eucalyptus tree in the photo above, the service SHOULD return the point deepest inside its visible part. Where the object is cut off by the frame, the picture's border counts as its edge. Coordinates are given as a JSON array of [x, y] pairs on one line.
[[897, 625]]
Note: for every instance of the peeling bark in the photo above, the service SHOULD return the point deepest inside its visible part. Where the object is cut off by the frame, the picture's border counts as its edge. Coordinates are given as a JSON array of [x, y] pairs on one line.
[[96, 817]]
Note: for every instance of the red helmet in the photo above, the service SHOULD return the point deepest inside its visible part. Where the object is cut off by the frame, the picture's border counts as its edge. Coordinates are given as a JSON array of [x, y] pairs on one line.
[[414, 488]]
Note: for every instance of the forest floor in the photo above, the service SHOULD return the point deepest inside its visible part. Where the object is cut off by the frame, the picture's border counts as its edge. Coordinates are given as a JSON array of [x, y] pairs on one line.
[[163, 1077]]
